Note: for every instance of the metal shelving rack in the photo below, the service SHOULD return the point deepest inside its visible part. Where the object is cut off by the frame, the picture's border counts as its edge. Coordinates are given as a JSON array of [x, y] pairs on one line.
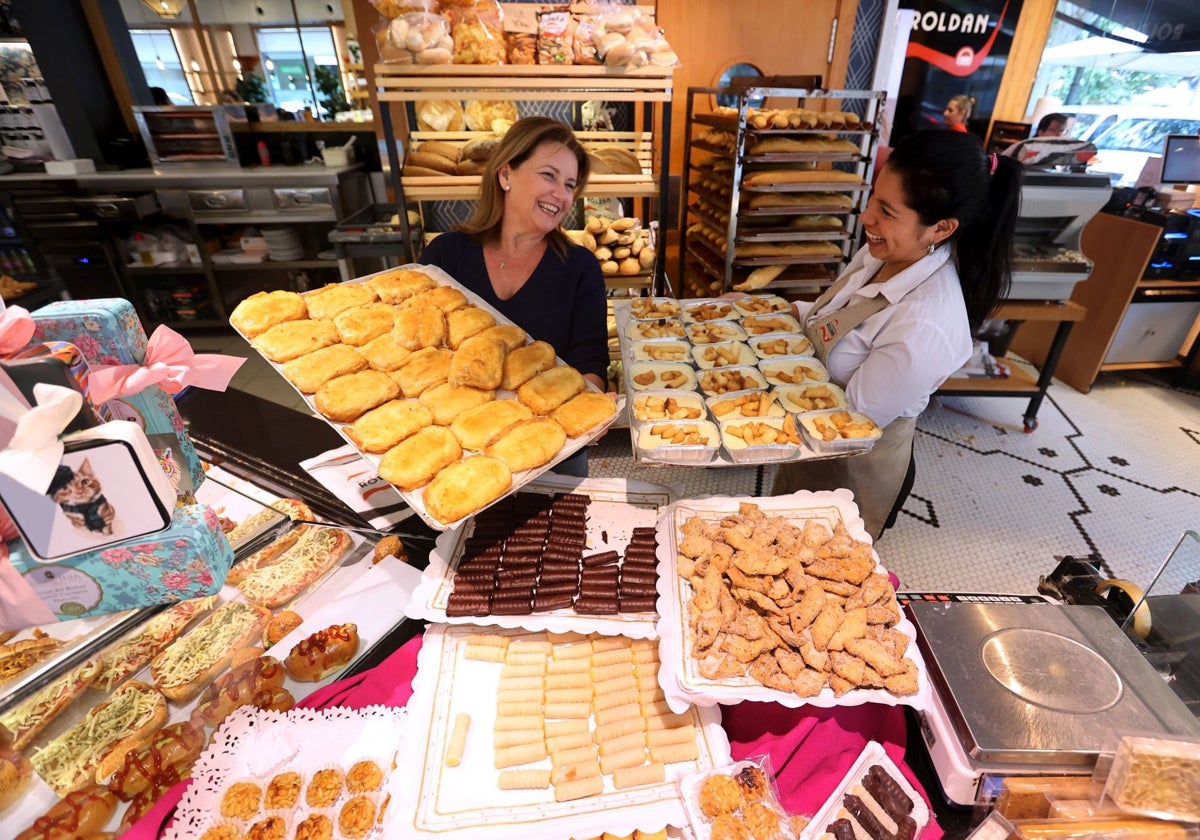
[[650, 87], [724, 191]]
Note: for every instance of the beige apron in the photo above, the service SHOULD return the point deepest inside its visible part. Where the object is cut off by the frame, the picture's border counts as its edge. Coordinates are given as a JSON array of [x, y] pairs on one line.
[[877, 476]]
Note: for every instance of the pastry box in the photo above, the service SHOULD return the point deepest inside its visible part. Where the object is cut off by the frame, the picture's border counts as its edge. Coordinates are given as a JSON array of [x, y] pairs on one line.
[[188, 560], [740, 405], [817, 396], [644, 309], [872, 791], [723, 354], [662, 350], [838, 431], [655, 328], [775, 322], [760, 440], [729, 379], [708, 309], [774, 345], [107, 332], [793, 370], [761, 305], [687, 442], [655, 406], [710, 332], [669, 375]]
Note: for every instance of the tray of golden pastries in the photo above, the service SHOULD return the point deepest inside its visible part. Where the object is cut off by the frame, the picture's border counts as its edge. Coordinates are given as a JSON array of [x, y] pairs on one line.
[[560, 555], [304, 773], [568, 733], [780, 599], [725, 382], [452, 404]]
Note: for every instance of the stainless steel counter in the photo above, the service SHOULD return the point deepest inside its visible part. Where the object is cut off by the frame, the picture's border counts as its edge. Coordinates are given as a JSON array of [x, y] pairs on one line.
[[126, 179]]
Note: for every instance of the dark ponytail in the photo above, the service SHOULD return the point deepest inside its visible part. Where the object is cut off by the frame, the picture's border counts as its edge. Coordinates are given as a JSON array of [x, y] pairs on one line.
[[947, 175]]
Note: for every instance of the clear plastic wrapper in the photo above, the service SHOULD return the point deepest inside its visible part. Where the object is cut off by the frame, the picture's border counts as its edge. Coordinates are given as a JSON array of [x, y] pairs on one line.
[[625, 37], [476, 27], [760, 440], [742, 405], [793, 370], [825, 432], [774, 345], [583, 44], [654, 406], [644, 375], [814, 396], [1157, 777], [556, 31], [724, 354], [415, 38], [694, 443], [663, 350], [737, 800], [729, 379]]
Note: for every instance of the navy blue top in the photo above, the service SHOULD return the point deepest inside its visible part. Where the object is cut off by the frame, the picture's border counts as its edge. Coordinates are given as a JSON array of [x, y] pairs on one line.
[[562, 302]]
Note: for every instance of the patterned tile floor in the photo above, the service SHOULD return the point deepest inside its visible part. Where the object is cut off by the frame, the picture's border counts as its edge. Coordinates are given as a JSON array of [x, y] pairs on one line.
[[1114, 474]]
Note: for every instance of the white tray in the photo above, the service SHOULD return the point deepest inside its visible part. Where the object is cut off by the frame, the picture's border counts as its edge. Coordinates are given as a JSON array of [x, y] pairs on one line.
[[873, 753], [679, 676], [618, 506], [304, 740], [415, 499], [464, 802]]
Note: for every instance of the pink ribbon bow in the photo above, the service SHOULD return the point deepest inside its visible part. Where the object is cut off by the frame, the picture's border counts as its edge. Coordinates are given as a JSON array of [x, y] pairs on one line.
[[16, 328], [169, 363]]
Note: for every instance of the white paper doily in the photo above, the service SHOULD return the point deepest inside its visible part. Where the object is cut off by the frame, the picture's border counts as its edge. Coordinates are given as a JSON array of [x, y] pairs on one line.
[[618, 506], [679, 675], [303, 740], [465, 803]]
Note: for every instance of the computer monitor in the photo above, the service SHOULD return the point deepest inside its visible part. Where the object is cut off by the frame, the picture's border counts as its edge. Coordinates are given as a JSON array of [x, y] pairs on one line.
[[1181, 159]]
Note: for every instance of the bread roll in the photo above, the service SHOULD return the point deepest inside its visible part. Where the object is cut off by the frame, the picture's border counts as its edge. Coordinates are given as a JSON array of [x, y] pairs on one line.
[[322, 653]]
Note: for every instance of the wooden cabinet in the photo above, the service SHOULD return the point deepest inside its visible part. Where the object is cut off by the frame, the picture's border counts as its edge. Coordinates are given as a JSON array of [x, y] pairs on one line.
[[1121, 249]]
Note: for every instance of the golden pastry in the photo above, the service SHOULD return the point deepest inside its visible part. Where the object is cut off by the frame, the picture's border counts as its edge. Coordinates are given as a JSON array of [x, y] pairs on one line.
[[510, 335], [423, 369], [463, 323], [292, 339], [364, 776], [314, 827], [360, 324], [283, 791], [324, 788], [445, 298], [466, 486], [382, 428], [550, 389], [447, 401], [477, 363], [584, 412], [526, 362], [347, 398], [399, 284], [414, 462], [384, 353], [528, 444], [241, 800], [325, 303], [263, 310], [311, 371], [356, 817], [418, 326], [476, 427]]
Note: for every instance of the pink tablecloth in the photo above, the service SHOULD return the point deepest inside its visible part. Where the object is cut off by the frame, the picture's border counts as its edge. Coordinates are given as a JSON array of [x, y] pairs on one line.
[[810, 750]]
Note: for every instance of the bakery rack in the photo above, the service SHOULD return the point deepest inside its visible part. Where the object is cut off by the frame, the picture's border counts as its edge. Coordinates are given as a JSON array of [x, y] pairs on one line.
[[717, 200], [649, 87]]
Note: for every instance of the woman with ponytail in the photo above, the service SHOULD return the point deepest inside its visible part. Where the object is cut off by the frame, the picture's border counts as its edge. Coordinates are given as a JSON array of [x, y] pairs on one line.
[[898, 322]]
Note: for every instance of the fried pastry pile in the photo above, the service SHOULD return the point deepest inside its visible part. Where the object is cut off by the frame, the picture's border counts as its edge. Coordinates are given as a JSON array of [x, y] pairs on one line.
[[797, 608]]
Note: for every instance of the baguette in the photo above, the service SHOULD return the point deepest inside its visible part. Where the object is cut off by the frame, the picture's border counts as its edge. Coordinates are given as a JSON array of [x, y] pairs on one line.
[[191, 663], [264, 557], [430, 160], [130, 654], [313, 554], [22, 723], [79, 814], [18, 657], [257, 521], [801, 176], [96, 745]]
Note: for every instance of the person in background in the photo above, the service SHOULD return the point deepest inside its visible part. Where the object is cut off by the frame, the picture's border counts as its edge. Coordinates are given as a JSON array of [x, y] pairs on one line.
[[1052, 125], [939, 228], [958, 111], [513, 253], [159, 96]]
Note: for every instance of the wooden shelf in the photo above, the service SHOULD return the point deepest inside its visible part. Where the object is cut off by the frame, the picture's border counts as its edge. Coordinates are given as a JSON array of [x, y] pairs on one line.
[[1017, 382], [301, 127], [448, 187], [416, 82]]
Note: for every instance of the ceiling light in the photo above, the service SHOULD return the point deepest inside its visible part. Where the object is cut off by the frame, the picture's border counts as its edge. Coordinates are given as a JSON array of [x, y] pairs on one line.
[[168, 9]]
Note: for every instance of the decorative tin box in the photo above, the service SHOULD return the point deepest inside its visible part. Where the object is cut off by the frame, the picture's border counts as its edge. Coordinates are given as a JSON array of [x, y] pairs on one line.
[[107, 332]]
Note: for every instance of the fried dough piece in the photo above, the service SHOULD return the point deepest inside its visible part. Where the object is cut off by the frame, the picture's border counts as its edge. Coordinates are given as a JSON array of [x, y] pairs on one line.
[[463, 323], [311, 371], [510, 335], [550, 389], [263, 310], [445, 298], [384, 353], [399, 284], [424, 369], [419, 326], [382, 428], [327, 302], [347, 398], [584, 412], [476, 427], [361, 324], [466, 486], [414, 462], [293, 339], [528, 444], [447, 401], [526, 362], [478, 363]]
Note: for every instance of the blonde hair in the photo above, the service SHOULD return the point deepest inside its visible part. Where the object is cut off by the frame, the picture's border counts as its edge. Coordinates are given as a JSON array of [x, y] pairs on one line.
[[964, 104], [520, 141]]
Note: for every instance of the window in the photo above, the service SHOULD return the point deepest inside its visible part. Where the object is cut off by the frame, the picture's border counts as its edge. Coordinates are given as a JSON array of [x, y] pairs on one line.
[[160, 62], [290, 59]]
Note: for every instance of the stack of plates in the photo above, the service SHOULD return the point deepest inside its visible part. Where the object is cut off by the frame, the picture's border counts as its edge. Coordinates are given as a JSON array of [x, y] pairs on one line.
[[283, 243]]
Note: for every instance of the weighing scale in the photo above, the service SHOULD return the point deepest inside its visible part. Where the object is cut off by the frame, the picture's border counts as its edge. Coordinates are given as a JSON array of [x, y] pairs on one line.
[[1033, 689]]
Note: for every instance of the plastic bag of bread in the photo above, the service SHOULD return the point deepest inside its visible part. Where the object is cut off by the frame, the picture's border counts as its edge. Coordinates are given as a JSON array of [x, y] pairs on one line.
[[626, 37], [583, 45], [521, 46], [416, 38], [555, 35], [477, 32], [394, 8]]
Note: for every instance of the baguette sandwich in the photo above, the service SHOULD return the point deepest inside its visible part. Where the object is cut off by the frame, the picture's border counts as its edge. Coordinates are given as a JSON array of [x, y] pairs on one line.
[[194, 660], [24, 721], [96, 746], [317, 551], [128, 656]]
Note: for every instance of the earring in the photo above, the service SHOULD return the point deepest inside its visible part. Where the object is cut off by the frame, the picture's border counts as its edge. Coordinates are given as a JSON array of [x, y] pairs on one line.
[[506, 186], [932, 245]]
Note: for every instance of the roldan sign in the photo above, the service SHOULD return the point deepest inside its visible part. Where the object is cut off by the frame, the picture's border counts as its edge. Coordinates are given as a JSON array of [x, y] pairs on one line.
[[965, 59]]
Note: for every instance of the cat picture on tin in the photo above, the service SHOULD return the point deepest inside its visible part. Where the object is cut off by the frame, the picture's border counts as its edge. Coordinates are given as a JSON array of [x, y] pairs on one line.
[[80, 496]]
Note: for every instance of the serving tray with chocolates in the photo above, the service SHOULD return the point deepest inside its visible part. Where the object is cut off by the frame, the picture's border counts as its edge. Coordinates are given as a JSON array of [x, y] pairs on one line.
[[727, 382]]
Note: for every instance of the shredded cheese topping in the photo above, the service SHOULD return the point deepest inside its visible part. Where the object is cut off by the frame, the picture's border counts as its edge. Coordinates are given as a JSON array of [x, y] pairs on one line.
[[32, 712], [193, 653], [133, 652], [312, 554]]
